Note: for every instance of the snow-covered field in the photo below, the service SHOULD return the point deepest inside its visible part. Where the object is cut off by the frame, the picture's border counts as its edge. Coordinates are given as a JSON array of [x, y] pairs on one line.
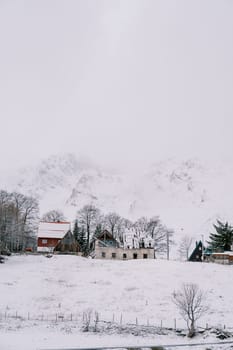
[[42, 301]]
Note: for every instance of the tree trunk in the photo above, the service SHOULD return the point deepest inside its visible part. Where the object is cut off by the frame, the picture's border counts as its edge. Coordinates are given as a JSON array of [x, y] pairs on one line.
[[191, 332]]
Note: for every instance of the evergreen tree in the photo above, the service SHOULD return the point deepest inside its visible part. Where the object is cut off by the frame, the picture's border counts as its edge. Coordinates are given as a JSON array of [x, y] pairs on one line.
[[98, 229], [82, 240], [223, 238], [76, 230], [80, 236]]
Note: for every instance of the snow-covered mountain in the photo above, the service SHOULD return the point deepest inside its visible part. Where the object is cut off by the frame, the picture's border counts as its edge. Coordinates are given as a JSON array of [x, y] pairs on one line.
[[187, 195]]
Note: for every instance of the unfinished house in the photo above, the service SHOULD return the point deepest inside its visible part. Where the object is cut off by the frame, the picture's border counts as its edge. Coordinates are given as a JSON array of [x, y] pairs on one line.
[[105, 246]]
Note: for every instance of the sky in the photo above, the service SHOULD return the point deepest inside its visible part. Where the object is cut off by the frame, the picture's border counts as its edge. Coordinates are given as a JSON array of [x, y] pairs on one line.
[[119, 81]]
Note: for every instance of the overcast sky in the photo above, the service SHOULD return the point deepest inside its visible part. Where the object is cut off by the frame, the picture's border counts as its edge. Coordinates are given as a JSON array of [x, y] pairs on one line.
[[118, 81]]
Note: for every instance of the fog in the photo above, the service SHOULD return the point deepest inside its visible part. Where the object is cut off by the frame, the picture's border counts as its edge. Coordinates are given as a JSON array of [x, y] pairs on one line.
[[122, 82]]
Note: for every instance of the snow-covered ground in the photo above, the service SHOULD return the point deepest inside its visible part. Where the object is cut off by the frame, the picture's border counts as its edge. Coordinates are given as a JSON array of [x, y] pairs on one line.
[[35, 292]]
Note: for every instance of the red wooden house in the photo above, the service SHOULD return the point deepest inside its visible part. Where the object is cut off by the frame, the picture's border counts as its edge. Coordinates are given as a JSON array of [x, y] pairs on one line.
[[50, 234]]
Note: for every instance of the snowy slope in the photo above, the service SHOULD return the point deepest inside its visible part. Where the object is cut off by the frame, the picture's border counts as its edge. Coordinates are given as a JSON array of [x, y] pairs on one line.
[[37, 289], [188, 195]]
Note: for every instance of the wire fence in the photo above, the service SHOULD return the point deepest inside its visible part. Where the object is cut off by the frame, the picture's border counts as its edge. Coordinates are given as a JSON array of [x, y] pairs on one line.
[[91, 318]]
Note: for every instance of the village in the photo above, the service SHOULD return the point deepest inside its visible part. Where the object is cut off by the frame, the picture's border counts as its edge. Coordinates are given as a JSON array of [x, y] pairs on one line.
[[57, 237], [144, 239]]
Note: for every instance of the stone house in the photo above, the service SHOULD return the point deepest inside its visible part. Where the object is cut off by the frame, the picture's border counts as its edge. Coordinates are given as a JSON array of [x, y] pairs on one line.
[[105, 246]]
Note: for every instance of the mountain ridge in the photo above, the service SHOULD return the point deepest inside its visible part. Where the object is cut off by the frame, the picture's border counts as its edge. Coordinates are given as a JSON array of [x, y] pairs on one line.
[[185, 194]]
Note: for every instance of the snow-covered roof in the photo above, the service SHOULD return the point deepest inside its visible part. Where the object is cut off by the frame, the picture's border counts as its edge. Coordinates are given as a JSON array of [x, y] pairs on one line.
[[53, 229], [224, 253]]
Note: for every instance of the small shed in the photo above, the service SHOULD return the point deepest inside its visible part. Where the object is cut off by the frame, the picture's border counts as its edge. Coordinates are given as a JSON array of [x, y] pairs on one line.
[[197, 252], [67, 244]]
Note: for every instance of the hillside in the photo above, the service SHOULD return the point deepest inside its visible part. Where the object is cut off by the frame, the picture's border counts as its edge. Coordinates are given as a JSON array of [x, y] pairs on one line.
[[37, 289]]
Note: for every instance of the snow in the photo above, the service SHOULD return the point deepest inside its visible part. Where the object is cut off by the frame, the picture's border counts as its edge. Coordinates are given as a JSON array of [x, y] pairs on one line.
[[36, 290], [187, 195], [53, 229]]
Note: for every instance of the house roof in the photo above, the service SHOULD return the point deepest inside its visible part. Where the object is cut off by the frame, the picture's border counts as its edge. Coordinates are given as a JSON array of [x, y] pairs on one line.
[[68, 238], [69, 242], [227, 253], [104, 234], [53, 229], [197, 252]]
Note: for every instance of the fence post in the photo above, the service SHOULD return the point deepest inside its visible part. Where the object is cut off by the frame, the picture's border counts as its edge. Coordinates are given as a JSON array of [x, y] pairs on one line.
[[113, 318], [136, 321], [121, 320], [56, 317], [175, 324], [161, 324]]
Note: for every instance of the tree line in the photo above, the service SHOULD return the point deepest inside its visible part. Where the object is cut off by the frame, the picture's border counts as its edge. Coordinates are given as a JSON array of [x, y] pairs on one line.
[[91, 221], [19, 218]]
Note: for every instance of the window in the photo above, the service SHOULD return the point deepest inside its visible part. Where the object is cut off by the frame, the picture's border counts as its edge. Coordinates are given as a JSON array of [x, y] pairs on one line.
[[103, 254], [124, 256], [113, 255], [135, 256], [44, 241], [145, 256]]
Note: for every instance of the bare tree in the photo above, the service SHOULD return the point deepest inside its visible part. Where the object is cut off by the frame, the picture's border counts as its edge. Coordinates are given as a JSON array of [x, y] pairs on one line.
[[185, 245], [4, 213], [141, 226], [88, 216], [161, 234], [53, 216], [114, 223], [191, 302], [18, 219], [29, 219], [25, 211]]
